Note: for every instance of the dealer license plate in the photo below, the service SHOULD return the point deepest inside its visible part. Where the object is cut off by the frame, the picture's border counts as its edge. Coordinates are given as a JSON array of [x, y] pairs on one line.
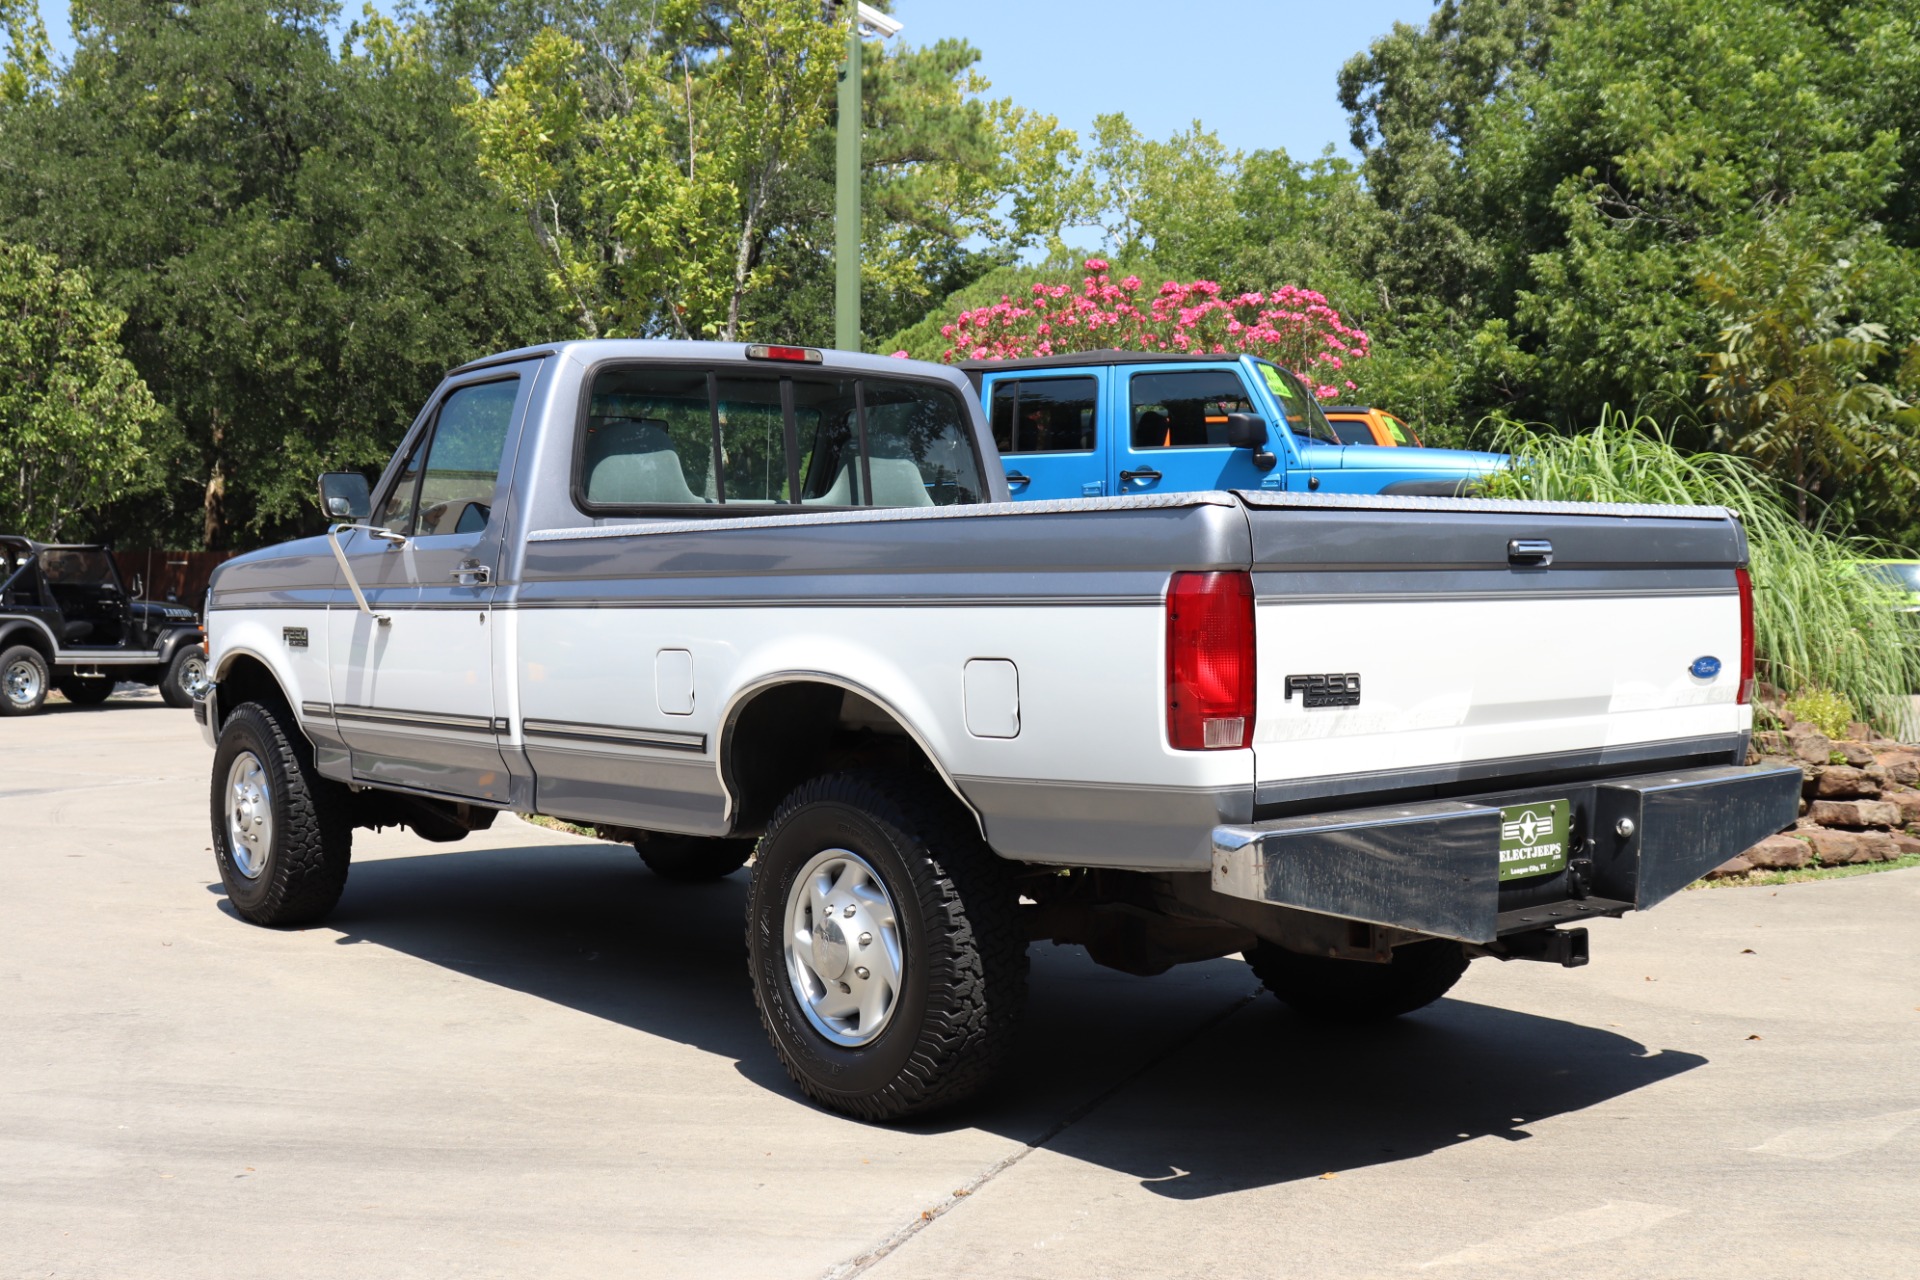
[[1533, 838]]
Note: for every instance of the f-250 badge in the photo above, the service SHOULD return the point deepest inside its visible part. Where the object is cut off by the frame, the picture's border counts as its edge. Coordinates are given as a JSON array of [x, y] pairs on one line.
[[1335, 690]]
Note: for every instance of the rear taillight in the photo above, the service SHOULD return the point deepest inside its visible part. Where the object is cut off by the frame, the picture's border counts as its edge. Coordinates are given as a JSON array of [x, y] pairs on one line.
[[1210, 661], [1745, 580]]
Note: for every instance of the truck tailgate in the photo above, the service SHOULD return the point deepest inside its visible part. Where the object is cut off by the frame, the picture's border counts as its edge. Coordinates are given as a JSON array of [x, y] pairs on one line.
[[1406, 644]]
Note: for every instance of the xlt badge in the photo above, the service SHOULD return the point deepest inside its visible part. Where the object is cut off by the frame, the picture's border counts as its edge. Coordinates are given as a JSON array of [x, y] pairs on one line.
[[1334, 690]]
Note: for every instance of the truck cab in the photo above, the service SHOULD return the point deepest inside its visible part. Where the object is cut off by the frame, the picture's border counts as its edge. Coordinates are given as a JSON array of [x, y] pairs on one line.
[[1120, 423]]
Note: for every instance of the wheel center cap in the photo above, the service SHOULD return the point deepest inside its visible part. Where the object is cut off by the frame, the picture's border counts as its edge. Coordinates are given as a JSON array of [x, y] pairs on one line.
[[830, 954]]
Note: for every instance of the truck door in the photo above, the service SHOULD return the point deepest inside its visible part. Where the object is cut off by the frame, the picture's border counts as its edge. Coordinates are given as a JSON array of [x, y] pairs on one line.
[[413, 695], [1175, 437], [1048, 431]]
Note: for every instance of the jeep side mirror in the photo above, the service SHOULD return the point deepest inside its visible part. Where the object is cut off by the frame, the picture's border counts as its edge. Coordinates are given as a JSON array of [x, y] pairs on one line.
[[139, 587], [1246, 430], [344, 496]]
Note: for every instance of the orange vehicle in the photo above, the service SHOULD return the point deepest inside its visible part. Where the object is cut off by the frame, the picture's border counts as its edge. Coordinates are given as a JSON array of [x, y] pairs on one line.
[[1358, 424]]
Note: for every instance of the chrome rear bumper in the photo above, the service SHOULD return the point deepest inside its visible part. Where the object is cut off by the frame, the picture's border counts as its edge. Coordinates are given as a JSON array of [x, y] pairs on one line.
[[1433, 867]]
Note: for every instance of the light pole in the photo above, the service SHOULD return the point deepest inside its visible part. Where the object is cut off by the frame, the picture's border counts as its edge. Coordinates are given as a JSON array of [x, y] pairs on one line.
[[846, 181]]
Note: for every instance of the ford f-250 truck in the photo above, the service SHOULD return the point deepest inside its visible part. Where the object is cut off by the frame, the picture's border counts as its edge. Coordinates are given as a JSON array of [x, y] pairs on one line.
[[732, 601], [1089, 423]]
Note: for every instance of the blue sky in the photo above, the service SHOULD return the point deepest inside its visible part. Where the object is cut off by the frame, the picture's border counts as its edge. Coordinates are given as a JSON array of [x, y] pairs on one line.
[[1260, 73]]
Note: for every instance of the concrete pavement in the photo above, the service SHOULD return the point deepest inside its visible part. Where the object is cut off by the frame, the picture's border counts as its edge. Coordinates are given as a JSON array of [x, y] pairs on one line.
[[523, 1056]]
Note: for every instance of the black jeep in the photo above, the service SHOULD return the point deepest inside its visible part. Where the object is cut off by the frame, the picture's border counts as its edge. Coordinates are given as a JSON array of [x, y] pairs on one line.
[[68, 622]]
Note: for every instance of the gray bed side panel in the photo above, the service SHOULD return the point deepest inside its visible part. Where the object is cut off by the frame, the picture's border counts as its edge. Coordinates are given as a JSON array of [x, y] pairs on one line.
[[1102, 554], [1306, 539]]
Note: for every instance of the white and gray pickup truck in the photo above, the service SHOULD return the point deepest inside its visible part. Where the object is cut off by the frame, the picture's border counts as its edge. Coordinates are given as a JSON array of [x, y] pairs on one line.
[[733, 602]]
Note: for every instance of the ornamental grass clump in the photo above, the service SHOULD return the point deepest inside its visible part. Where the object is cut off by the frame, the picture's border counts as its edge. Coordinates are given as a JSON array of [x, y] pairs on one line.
[[1293, 327], [1819, 623]]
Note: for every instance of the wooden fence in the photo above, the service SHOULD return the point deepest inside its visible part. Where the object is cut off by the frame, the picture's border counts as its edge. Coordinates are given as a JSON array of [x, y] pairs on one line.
[[172, 575]]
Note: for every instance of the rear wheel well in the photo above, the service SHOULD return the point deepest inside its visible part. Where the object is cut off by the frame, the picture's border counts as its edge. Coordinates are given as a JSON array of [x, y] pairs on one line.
[[783, 735], [32, 637]]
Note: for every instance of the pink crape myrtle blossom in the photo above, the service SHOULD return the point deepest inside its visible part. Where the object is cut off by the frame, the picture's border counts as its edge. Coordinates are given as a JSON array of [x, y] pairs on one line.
[[1291, 326]]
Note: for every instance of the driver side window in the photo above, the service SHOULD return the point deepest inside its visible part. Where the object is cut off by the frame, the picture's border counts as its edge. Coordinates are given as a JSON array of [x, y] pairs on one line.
[[453, 493]]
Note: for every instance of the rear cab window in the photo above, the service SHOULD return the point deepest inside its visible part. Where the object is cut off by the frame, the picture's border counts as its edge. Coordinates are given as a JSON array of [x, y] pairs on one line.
[[677, 439]]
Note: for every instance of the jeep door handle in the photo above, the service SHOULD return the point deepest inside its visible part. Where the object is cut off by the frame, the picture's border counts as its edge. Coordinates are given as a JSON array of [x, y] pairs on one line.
[[1016, 478], [472, 575], [1144, 473]]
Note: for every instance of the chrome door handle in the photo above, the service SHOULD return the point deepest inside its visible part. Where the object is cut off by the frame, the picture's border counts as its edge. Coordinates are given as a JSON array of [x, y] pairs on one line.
[[1530, 551], [473, 575]]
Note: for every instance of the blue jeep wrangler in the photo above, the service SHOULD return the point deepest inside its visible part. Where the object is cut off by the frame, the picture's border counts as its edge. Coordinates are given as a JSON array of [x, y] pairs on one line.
[[1092, 423]]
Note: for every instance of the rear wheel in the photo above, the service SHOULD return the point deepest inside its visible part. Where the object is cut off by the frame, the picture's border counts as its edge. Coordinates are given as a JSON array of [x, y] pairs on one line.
[[692, 859], [185, 676], [86, 691], [884, 947], [1329, 990], [23, 681], [281, 834]]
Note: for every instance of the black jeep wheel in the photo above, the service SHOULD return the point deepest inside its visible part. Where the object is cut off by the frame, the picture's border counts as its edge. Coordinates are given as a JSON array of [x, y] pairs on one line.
[[1329, 990], [886, 956], [86, 691], [23, 681], [186, 673], [692, 859], [281, 833]]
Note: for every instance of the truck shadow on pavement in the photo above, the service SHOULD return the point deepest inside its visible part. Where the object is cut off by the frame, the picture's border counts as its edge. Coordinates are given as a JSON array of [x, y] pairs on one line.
[[1190, 1082]]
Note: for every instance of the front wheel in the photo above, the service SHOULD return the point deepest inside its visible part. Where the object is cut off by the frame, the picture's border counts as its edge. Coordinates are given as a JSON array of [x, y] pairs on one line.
[[884, 946], [23, 681], [1346, 991], [185, 677], [281, 835]]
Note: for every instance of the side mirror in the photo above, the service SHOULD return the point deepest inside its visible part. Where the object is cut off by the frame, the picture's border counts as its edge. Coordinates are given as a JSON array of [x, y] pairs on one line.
[[139, 587], [1246, 430], [344, 496]]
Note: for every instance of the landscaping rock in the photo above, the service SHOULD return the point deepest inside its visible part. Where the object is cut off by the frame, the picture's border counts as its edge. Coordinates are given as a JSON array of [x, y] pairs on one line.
[[1902, 765], [1859, 731], [1772, 742], [1842, 782], [1783, 853], [1731, 867], [1856, 753], [1811, 745], [1909, 803], [1836, 848], [1905, 844], [1855, 813], [1877, 846]]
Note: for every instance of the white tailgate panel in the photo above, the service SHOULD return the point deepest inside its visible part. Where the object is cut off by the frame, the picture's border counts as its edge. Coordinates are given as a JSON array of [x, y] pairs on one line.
[[1444, 683]]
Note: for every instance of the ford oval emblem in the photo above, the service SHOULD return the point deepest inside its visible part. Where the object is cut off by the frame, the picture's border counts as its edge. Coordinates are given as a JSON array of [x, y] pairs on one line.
[[1705, 668]]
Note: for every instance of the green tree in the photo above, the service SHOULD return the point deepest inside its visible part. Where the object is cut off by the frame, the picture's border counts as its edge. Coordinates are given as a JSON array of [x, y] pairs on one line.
[[300, 238], [653, 203], [1789, 387], [76, 422]]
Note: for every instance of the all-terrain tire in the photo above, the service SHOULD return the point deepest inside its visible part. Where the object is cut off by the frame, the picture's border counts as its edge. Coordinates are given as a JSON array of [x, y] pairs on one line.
[[692, 859], [188, 664], [963, 977], [302, 871], [1347, 991], [86, 691], [23, 681]]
